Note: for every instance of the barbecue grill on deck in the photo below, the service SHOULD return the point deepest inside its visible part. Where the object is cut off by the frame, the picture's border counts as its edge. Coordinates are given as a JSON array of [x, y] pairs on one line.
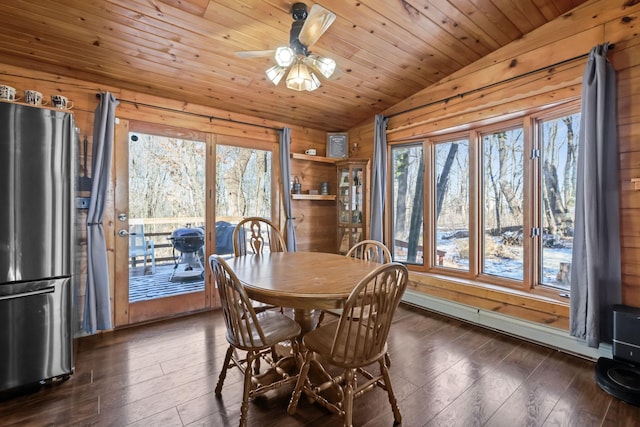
[[187, 244]]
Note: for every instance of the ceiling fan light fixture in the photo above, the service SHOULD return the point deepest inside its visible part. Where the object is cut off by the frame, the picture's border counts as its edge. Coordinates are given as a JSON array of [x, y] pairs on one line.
[[301, 78], [325, 66], [285, 56], [276, 73]]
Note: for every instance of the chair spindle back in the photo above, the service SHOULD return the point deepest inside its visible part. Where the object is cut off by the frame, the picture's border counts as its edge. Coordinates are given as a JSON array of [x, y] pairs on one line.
[[370, 250], [257, 235], [243, 328], [363, 328]]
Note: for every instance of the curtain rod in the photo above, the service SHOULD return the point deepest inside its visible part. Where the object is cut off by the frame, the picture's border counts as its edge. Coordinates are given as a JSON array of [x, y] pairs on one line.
[[463, 94], [211, 118]]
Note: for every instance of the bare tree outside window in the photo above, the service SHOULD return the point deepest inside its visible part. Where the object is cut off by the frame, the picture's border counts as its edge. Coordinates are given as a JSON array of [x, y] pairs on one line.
[[407, 170], [452, 204], [559, 148], [482, 187], [166, 185], [243, 189], [243, 182], [503, 175]]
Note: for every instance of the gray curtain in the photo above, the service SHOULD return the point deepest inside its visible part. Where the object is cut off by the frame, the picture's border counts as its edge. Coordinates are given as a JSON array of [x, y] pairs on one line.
[[285, 167], [97, 308], [595, 266], [378, 178]]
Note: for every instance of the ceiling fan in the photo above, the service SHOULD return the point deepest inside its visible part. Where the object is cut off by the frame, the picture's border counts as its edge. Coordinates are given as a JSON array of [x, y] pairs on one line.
[[306, 29]]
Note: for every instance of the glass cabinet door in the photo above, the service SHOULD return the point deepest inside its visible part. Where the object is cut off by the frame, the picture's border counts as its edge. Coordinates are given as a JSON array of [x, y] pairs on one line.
[[352, 177]]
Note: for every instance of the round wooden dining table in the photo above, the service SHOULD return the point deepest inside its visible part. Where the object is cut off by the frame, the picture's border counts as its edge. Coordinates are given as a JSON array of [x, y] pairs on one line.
[[303, 281]]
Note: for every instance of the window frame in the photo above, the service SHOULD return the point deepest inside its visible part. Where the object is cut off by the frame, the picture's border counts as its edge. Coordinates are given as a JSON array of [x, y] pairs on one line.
[[529, 120], [473, 203], [537, 214], [252, 144], [390, 215]]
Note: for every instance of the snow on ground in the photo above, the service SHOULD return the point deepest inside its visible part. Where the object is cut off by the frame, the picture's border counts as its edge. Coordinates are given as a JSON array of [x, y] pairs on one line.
[[506, 266]]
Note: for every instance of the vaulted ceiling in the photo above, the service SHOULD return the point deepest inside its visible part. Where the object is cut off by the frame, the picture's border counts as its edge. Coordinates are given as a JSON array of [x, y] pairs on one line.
[[386, 50]]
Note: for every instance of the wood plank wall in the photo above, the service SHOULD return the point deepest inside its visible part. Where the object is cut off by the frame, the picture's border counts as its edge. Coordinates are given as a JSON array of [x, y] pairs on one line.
[[567, 37]]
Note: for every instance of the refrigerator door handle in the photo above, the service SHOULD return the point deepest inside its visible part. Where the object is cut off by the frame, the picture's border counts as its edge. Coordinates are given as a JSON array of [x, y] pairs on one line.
[[48, 290]]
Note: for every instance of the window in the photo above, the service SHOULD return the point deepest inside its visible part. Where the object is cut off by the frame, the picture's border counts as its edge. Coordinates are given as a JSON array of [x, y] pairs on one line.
[[497, 203], [558, 163], [451, 160], [503, 203], [243, 189], [407, 171]]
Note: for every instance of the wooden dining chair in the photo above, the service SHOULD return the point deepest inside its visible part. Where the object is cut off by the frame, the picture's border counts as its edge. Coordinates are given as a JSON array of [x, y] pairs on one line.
[[354, 342], [368, 250], [257, 235], [254, 334]]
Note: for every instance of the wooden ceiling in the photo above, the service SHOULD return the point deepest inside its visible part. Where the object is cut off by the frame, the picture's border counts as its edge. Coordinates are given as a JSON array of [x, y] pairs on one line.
[[386, 50]]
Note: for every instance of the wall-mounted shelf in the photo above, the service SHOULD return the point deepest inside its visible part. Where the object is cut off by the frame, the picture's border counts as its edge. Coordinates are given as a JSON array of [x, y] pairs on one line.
[[321, 159], [636, 183], [313, 196]]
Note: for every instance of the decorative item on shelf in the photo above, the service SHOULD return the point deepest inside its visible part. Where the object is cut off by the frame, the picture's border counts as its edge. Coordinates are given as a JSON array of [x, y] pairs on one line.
[[324, 188], [337, 145], [297, 186], [61, 102], [33, 97], [8, 93], [310, 152], [355, 148]]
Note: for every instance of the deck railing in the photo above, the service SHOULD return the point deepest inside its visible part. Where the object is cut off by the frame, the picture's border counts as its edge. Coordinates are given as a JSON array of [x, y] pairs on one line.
[[159, 230]]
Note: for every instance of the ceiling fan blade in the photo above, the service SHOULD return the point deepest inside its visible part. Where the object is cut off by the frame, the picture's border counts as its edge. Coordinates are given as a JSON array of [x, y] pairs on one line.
[[317, 22], [255, 53]]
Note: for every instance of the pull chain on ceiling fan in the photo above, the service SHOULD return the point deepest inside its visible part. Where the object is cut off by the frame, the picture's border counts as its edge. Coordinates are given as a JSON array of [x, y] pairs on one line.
[[302, 65]]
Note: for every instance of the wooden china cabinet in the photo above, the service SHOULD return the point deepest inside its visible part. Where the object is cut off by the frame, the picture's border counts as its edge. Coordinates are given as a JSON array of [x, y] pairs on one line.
[[352, 202]]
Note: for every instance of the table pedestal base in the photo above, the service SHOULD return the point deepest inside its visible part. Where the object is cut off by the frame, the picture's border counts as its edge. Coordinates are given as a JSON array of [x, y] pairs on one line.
[[304, 318]]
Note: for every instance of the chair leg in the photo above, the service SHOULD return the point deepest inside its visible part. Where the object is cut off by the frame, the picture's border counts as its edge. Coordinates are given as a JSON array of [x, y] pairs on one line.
[[320, 319], [223, 373], [244, 409], [256, 366], [392, 398], [302, 378], [274, 354], [347, 404]]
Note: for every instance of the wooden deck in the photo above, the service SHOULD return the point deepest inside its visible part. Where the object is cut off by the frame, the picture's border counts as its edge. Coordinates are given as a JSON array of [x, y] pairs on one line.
[[145, 285]]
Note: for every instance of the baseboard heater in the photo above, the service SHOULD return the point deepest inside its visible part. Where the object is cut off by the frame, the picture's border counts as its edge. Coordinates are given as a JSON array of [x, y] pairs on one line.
[[544, 335]]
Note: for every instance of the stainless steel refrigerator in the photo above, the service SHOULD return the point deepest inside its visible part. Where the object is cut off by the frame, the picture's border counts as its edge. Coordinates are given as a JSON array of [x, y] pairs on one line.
[[36, 244]]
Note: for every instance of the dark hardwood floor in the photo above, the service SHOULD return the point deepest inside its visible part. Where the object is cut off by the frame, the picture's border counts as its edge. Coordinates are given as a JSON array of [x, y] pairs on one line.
[[445, 372]]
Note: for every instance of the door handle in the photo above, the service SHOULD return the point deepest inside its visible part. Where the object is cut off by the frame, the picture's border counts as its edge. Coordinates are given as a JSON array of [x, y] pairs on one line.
[[123, 233], [49, 290]]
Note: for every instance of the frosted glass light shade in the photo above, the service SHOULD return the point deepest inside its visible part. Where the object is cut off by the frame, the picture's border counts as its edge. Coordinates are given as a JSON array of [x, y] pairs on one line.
[[285, 56], [276, 73], [325, 66], [301, 78]]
